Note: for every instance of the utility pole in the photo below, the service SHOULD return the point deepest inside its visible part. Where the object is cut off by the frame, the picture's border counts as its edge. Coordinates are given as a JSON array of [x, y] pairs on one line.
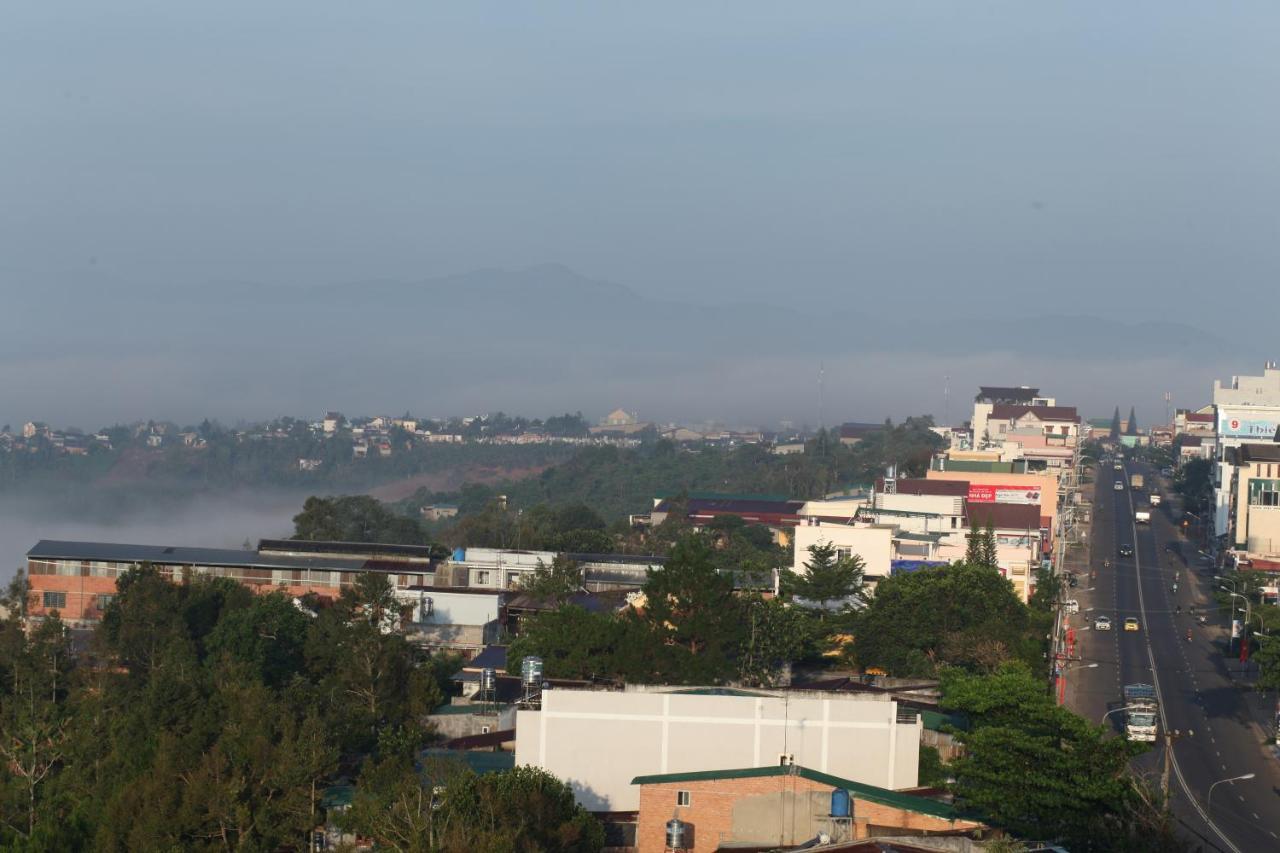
[[1169, 738]]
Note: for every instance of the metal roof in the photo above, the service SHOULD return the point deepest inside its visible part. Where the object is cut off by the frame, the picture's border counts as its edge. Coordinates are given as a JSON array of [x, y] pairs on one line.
[[115, 552], [362, 549], [871, 793]]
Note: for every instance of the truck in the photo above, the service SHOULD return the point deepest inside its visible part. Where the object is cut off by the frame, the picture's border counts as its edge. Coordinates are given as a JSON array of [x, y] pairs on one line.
[[1140, 709], [1154, 500], [1135, 481], [1142, 516]]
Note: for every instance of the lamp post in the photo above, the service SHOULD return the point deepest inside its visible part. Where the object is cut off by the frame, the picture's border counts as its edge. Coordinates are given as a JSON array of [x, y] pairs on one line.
[[1247, 609], [1209, 799], [1103, 718]]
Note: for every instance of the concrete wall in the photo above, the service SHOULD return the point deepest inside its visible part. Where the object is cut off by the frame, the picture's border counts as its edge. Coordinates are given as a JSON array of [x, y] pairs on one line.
[[873, 544], [452, 608], [852, 737]]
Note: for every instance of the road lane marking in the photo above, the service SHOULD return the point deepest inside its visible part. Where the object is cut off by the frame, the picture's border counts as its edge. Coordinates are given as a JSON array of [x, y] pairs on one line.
[[1155, 682]]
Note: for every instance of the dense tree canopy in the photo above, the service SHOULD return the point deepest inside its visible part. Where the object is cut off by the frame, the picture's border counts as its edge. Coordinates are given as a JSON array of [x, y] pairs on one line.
[[962, 615]]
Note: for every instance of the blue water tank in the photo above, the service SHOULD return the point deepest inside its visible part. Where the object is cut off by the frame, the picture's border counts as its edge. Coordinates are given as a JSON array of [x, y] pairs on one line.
[[459, 555], [841, 806]]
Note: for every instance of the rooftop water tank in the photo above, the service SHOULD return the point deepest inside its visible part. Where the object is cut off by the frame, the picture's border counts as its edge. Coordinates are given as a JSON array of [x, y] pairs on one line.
[[840, 803], [459, 555], [677, 834], [488, 679], [531, 671]]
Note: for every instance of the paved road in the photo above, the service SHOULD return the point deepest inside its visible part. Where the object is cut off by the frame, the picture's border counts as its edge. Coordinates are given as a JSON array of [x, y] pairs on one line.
[[1201, 689]]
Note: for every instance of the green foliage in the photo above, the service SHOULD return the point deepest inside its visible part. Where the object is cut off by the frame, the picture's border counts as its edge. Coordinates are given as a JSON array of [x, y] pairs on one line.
[[1115, 425], [1194, 482], [828, 577], [692, 629], [355, 518], [1039, 771], [932, 772], [1132, 427], [209, 717], [562, 578], [961, 615]]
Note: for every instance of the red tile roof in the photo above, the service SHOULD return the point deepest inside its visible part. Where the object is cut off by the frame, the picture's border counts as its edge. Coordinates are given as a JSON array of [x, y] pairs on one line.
[[1004, 411]]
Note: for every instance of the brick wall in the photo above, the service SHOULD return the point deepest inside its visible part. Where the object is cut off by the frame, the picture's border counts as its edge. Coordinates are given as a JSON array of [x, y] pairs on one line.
[[712, 804]]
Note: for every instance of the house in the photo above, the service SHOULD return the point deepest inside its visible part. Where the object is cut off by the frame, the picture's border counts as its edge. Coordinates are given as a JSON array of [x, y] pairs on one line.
[[436, 512], [155, 439], [310, 464], [777, 806], [1255, 504], [774, 511], [442, 618], [870, 738], [619, 418], [78, 579], [332, 422], [854, 433], [31, 429]]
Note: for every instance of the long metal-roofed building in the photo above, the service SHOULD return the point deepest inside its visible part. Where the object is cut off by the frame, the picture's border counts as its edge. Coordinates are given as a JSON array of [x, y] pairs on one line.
[[78, 579]]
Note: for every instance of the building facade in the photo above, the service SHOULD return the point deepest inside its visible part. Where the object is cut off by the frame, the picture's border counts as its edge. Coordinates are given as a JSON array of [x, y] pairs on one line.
[[869, 739]]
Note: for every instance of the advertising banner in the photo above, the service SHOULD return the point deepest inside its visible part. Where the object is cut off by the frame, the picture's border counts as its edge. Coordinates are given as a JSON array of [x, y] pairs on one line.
[[1241, 423], [984, 494], [1237, 628]]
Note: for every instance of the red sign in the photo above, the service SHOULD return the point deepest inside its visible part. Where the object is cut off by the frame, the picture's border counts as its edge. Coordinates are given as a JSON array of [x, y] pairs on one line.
[[983, 494]]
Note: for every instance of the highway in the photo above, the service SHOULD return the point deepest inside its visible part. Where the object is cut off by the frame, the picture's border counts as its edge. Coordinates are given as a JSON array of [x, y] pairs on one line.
[[1220, 723]]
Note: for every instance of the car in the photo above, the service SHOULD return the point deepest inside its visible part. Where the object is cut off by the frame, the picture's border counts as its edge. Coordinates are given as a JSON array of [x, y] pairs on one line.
[[1125, 550], [1072, 581], [1167, 472], [1102, 623], [1118, 466], [1071, 606], [1131, 624], [1119, 486]]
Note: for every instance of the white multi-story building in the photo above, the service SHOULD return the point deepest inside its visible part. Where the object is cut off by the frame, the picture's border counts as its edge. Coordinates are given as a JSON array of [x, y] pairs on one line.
[[1246, 410], [647, 730]]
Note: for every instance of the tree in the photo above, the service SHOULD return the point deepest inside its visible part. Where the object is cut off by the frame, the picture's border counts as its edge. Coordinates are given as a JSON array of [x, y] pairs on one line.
[[961, 615], [1115, 425], [1036, 769], [525, 808], [1132, 427], [989, 553], [576, 643], [559, 580], [690, 607], [777, 635], [829, 577], [973, 550], [355, 518]]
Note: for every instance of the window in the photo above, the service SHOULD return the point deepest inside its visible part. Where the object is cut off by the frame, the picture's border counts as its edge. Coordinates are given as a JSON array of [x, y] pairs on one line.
[[482, 578], [56, 600], [682, 798], [104, 601], [844, 553]]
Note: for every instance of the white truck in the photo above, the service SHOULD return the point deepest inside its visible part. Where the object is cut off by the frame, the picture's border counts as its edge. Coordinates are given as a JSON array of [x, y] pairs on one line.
[[1140, 709], [1142, 516], [1135, 482], [1154, 500]]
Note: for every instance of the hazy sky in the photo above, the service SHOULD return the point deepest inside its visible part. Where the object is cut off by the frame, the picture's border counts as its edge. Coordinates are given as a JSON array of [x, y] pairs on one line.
[[1103, 158]]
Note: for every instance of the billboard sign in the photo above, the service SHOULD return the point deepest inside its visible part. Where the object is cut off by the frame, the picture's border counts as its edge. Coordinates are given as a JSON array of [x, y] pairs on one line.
[[985, 494], [1240, 422]]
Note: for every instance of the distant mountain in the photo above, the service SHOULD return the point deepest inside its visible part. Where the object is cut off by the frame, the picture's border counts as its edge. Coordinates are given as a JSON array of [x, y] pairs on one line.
[[535, 340]]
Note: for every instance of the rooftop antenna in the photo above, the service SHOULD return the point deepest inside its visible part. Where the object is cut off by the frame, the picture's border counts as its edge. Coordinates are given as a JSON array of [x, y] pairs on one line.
[[1168, 397], [946, 401], [822, 369]]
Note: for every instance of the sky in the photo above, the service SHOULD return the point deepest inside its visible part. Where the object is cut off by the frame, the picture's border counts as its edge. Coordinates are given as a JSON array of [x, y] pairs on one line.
[[882, 159]]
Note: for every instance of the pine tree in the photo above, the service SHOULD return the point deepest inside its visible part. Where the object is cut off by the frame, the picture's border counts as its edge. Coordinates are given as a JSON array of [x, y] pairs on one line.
[[1115, 425], [989, 547], [973, 551], [1133, 423]]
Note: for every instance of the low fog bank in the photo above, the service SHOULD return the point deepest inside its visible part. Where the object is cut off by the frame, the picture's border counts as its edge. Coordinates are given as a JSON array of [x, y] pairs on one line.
[[221, 521]]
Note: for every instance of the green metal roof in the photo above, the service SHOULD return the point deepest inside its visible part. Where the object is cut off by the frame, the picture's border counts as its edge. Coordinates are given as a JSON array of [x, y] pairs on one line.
[[883, 796], [449, 710], [935, 720], [479, 762]]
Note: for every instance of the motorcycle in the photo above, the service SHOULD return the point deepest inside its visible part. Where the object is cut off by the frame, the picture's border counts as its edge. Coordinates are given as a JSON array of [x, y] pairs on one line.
[[1188, 635]]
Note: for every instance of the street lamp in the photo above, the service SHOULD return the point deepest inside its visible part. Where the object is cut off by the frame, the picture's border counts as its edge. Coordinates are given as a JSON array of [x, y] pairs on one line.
[[1209, 799], [1248, 605], [1116, 710], [1067, 669]]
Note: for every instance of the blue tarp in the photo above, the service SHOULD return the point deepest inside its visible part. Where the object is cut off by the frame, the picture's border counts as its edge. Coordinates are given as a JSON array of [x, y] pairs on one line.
[[898, 567]]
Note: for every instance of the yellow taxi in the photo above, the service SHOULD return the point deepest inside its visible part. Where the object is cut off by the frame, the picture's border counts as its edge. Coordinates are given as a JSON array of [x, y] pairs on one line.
[[1131, 624]]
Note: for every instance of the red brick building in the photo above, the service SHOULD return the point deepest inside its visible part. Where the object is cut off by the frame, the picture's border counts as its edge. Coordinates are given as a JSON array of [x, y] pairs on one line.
[[780, 806]]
